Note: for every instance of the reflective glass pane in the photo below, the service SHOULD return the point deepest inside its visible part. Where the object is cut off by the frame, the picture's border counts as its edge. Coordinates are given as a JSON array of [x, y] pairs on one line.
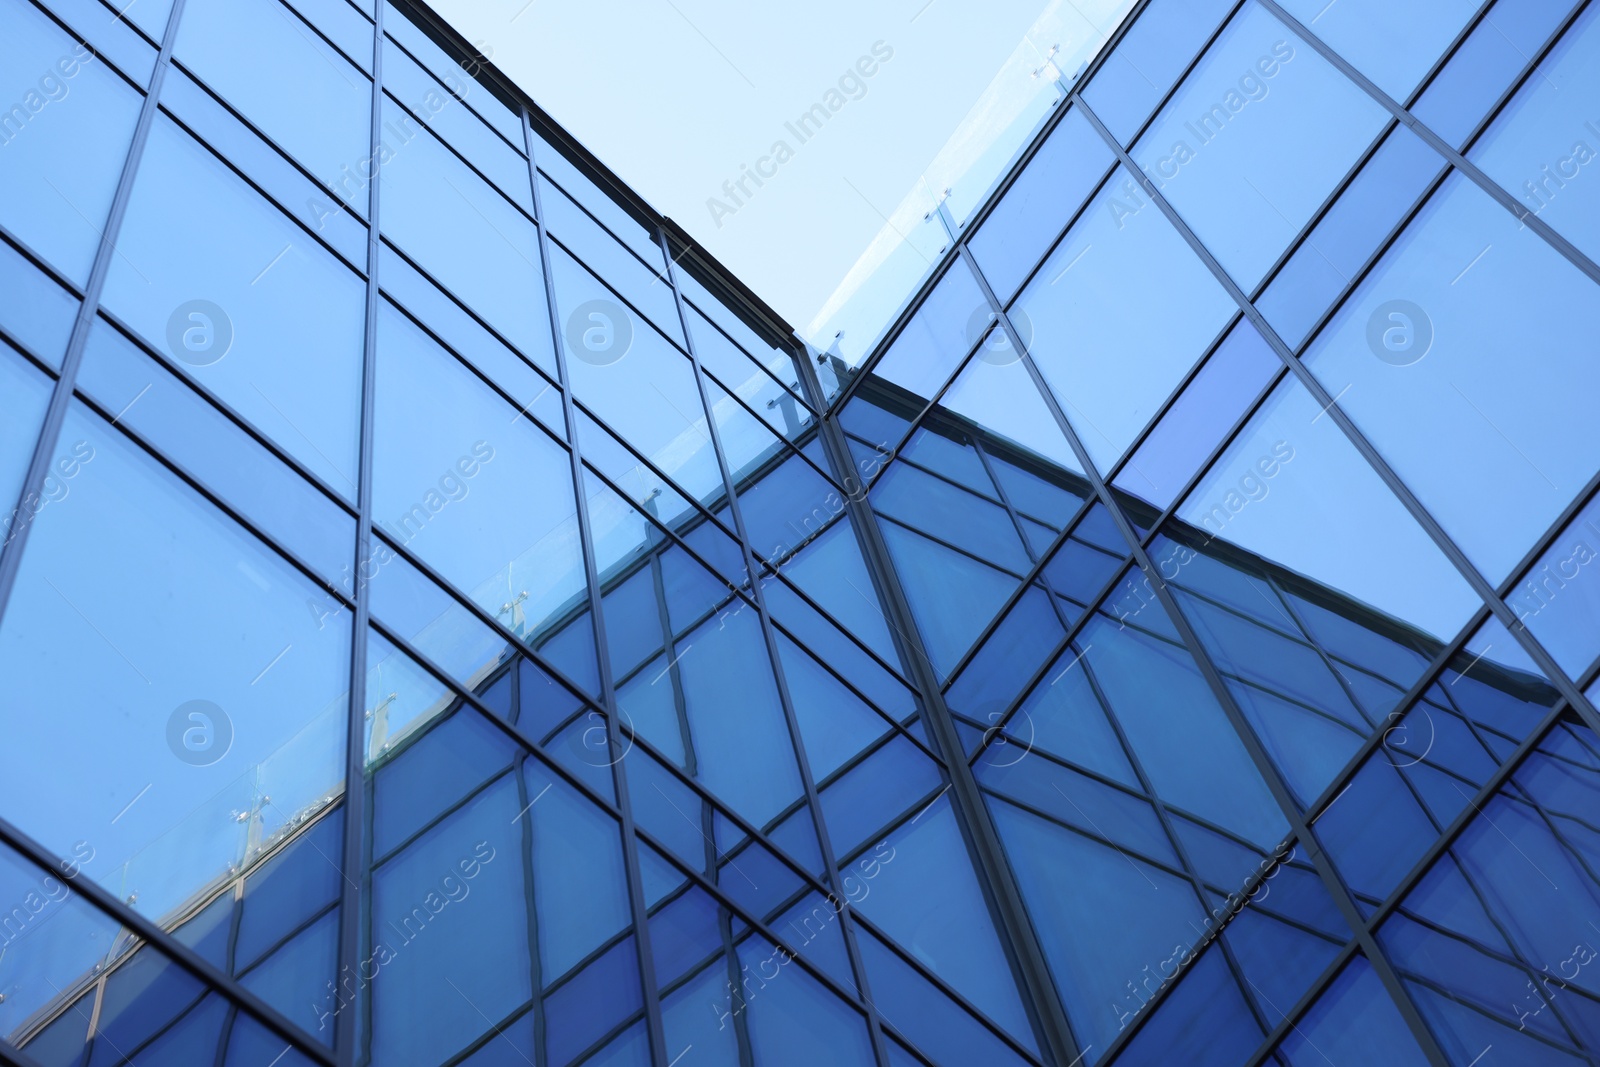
[[1393, 44], [248, 50], [65, 136], [230, 693], [1123, 282], [206, 273], [1417, 357], [1255, 139]]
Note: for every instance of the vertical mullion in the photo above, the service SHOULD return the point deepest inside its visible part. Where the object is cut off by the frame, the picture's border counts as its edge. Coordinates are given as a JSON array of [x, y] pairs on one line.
[[1017, 935], [630, 842], [354, 1026], [769, 636]]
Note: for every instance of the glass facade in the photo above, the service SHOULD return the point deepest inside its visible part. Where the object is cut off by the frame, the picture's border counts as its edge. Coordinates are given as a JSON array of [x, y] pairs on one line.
[[448, 620]]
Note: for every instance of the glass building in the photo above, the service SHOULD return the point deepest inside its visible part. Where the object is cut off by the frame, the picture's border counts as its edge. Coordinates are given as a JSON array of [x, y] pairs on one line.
[[447, 619]]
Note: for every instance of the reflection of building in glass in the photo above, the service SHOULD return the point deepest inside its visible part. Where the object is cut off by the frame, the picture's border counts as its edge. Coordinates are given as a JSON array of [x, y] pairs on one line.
[[1097, 655]]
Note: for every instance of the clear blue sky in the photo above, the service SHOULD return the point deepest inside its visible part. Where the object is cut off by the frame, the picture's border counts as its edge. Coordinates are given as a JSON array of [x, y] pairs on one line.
[[675, 95]]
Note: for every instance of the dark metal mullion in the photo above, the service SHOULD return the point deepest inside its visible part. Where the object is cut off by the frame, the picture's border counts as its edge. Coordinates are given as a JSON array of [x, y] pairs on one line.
[[1368, 451], [1257, 753], [356, 859], [802, 759], [535, 967], [785, 447], [630, 847], [1013, 925]]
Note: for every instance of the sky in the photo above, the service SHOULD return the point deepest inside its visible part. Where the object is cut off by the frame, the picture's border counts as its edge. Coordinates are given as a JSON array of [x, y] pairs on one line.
[[676, 96]]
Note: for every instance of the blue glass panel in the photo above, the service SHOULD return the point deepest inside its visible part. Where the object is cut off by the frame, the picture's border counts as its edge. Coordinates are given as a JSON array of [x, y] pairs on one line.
[[452, 759], [1139, 913], [927, 898], [586, 239], [26, 394], [999, 394], [1559, 597], [151, 401], [309, 961], [834, 723], [1122, 281], [1485, 65], [511, 1045], [634, 379], [65, 136], [1203, 413], [1465, 417], [1036, 208], [471, 487], [1293, 489], [1065, 717], [953, 596], [193, 1038], [793, 1021], [884, 785], [714, 1034], [1158, 47], [633, 620], [1337, 248], [291, 887], [997, 672], [737, 721], [206, 264], [1077, 800], [467, 336], [1354, 1021], [111, 36], [580, 889], [947, 326], [832, 572], [215, 125], [456, 897], [441, 106], [248, 49], [924, 1016], [632, 1049], [250, 1043], [398, 24], [1255, 139], [1194, 759], [41, 313], [1204, 1022], [956, 517]]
